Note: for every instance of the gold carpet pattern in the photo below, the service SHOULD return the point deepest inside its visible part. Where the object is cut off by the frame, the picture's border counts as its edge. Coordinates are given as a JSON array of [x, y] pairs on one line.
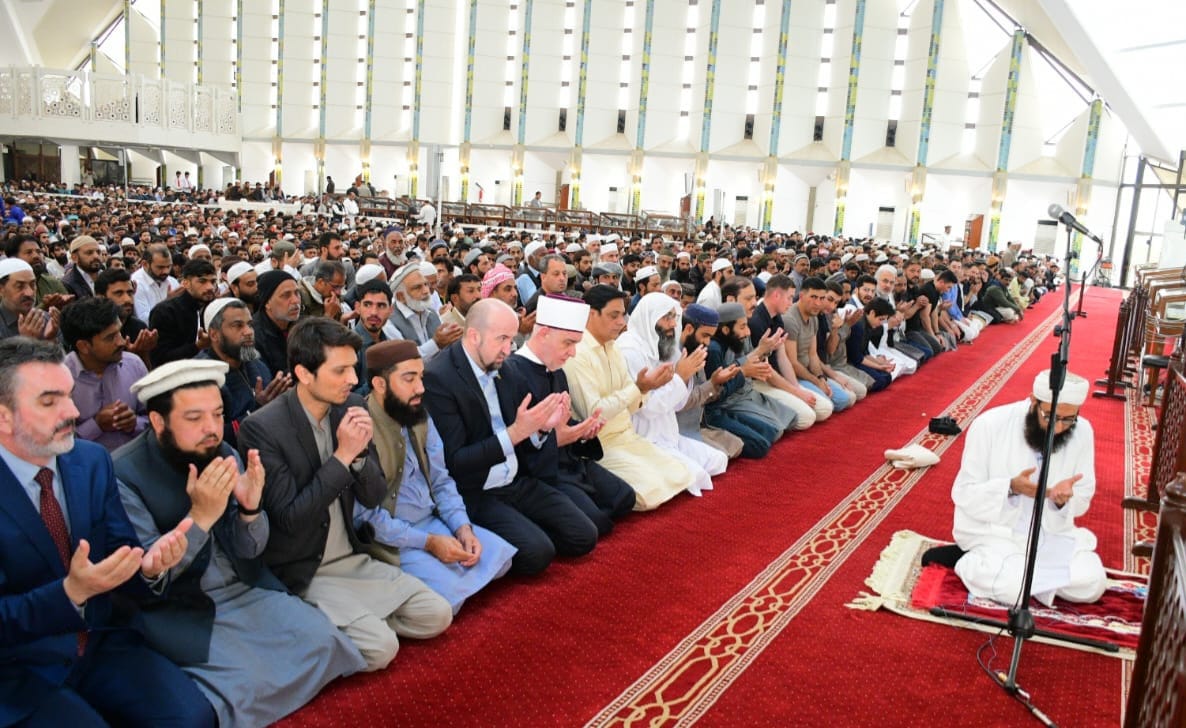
[[689, 679]]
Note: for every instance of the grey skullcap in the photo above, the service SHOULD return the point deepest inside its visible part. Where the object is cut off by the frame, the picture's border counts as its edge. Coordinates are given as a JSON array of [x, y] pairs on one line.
[[730, 312]]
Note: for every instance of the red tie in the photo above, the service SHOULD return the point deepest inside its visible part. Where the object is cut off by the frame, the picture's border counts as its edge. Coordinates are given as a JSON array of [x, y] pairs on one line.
[[55, 523]]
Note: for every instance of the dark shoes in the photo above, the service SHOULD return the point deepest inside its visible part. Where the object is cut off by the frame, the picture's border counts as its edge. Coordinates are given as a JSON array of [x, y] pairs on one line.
[[945, 426]]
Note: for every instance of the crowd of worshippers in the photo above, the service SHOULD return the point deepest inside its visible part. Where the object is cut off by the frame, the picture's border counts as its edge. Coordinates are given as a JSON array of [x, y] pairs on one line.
[[292, 441]]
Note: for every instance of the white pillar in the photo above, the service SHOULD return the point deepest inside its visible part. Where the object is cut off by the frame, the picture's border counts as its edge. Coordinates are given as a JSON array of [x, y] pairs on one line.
[[212, 175], [71, 170]]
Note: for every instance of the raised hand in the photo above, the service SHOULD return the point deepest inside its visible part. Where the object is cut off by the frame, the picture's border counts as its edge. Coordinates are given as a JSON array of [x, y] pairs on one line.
[[562, 413], [769, 342], [249, 487], [354, 434], [86, 580], [649, 379], [333, 307], [203, 340], [144, 342], [56, 300], [1063, 490], [278, 386], [527, 323], [689, 364], [209, 491], [754, 368], [33, 324], [1023, 483], [167, 552], [724, 374], [446, 334], [105, 418], [530, 420]]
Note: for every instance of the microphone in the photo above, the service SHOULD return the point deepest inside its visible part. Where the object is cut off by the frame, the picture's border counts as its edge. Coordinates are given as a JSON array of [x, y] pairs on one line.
[[1058, 212]]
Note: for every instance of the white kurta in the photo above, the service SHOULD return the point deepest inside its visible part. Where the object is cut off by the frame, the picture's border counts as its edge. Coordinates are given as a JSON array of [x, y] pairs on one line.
[[598, 379], [656, 421], [993, 526]]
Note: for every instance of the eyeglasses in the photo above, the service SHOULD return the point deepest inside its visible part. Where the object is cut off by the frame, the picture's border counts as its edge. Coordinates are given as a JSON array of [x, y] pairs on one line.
[[1068, 421]]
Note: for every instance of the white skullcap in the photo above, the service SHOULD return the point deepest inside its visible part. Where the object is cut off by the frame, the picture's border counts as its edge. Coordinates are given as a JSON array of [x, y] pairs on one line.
[[560, 312], [881, 258], [645, 272], [215, 307], [168, 377], [669, 283], [573, 248], [609, 247], [515, 244], [426, 269], [534, 247], [195, 248], [926, 274], [8, 266], [397, 278], [845, 258], [612, 237], [721, 264], [238, 270], [1074, 389], [367, 273], [861, 257], [683, 254], [128, 241]]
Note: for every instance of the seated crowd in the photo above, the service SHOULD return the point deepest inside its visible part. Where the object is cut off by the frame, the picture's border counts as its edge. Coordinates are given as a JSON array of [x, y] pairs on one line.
[[314, 434]]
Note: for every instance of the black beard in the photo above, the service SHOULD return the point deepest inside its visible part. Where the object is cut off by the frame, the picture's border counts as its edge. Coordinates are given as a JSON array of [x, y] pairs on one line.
[[182, 459], [666, 344], [1035, 434], [250, 299], [729, 340], [402, 412]]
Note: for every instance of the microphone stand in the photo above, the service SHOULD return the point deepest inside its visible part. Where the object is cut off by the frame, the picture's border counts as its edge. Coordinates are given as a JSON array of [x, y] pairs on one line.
[[1088, 274], [1021, 619]]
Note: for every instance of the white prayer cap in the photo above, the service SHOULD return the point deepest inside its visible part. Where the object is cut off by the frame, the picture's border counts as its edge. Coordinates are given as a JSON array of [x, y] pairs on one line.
[[881, 258], [215, 307], [8, 266], [561, 312], [426, 269], [861, 257], [126, 242], [534, 247], [367, 273], [669, 283], [609, 248], [926, 274], [237, 270], [612, 238], [1074, 389], [645, 272], [573, 248], [721, 264], [514, 244], [683, 254], [168, 377], [845, 258], [193, 250]]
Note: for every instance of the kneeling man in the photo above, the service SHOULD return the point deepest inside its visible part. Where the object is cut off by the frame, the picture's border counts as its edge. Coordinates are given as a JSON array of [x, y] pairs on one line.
[[255, 651], [994, 492], [422, 524]]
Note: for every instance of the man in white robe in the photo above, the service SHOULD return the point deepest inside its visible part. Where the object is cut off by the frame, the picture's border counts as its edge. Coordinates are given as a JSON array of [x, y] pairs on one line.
[[599, 380], [994, 491], [650, 340]]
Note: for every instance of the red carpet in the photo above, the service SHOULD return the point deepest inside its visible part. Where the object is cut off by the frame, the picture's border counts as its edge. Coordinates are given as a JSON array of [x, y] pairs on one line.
[[560, 649]]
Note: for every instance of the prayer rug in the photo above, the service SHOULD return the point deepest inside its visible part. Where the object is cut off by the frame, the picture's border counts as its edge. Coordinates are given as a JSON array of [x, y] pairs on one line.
[[903, 586]]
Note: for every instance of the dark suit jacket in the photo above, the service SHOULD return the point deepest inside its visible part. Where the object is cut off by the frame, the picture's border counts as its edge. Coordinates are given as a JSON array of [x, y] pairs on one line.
[[458, 408], [300, 489], [38, 624], [74, 282]]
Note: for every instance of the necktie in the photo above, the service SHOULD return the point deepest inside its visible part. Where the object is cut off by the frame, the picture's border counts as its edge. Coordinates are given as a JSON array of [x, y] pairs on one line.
[[55, 523]]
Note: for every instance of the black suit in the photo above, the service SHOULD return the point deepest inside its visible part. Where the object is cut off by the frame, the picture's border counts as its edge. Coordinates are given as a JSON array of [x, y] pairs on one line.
[[534, 517], [176, 322], [573, 469], [300, 488]]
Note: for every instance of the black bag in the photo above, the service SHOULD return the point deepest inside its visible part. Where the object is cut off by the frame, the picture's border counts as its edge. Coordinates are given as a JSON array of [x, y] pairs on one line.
[[945, 426]]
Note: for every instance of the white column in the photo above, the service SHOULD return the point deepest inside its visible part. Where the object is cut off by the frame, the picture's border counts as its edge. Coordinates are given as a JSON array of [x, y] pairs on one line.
[[71, 171], [212, 174]]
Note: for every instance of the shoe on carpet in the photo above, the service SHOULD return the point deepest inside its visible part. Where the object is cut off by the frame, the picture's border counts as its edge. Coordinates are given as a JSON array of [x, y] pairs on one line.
[[944, 426], [943, 555]]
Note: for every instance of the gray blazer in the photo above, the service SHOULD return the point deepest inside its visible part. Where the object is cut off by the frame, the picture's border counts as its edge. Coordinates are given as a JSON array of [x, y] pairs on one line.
[[299, 489], [408, 331]]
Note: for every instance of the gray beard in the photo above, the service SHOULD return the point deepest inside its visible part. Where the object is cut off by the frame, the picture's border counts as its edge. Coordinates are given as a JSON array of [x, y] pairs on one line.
[[666, 346]]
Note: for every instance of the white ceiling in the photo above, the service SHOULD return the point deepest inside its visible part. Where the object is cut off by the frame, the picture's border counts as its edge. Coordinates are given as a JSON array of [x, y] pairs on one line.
[[1132, 53]]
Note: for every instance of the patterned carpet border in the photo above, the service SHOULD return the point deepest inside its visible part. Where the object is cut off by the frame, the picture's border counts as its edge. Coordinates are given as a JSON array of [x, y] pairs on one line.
[[1139, 438], [682, 686]]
